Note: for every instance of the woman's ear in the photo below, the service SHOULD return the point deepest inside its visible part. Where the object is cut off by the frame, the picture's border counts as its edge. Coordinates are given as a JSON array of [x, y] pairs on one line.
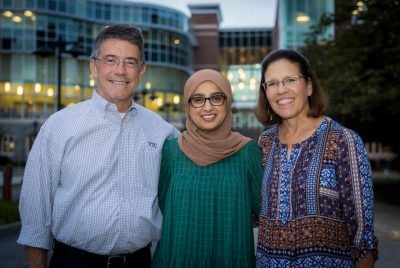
[[309, 88]]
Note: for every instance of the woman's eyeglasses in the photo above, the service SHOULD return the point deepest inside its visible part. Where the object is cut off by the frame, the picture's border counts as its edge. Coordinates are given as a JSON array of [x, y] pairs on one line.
[[215, 100], [287, 82]]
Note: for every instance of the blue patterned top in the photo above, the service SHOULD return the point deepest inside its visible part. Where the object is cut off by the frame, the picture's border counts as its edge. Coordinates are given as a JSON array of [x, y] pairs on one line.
[[317, 204]]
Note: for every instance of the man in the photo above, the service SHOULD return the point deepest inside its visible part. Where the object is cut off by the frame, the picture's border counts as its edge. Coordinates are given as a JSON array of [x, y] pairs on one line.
[[90, 183]]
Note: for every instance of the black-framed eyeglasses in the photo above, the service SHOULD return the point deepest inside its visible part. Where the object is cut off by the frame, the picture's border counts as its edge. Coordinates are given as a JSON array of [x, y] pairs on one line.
[[199, 101], [287, 82], [114, 61]]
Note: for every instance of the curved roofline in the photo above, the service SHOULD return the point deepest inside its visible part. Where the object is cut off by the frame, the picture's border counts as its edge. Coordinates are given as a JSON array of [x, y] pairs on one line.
[[150, 5]]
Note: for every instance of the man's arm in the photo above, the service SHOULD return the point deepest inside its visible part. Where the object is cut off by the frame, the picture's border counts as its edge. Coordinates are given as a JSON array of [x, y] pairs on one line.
[[41, 176], [37, 257]]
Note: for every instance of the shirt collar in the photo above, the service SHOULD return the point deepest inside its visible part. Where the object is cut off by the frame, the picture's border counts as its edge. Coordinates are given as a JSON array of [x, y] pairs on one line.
[[103, 105]]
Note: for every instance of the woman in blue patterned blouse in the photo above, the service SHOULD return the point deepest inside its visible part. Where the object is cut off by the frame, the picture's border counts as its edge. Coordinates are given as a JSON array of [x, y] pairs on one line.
[[317, 200]]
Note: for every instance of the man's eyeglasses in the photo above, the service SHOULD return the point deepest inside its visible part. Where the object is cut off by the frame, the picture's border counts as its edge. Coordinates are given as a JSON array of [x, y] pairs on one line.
[[114, 61], [215, 100], [288, 82]]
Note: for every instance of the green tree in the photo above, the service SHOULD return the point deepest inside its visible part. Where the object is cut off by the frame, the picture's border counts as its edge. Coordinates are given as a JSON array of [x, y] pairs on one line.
[[360, 68]]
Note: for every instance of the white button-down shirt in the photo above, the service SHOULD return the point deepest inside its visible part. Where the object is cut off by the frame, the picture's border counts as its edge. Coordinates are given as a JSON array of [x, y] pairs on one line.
[[91, 179]]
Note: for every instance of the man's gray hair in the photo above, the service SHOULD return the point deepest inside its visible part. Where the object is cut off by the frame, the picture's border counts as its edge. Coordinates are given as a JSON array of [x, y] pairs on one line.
[[123, 32]]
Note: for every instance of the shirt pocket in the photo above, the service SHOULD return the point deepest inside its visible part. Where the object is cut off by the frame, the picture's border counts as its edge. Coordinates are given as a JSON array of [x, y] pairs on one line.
[[150, 167], [328, 182]]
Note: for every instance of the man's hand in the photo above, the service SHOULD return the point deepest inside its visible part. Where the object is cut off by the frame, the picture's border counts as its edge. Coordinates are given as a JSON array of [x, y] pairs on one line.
[[37, 257]]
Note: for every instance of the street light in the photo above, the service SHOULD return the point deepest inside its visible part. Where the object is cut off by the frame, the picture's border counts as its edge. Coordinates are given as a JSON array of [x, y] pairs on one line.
[[56, 48]]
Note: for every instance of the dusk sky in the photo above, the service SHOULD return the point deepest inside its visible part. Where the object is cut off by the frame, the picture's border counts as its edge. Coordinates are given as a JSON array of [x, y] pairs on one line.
[[235, 13]]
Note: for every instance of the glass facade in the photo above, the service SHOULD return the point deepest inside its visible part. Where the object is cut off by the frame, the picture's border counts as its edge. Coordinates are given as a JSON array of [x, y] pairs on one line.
[[243, 46], [31, 33], [27, 27], [296, 17], [241, 52]]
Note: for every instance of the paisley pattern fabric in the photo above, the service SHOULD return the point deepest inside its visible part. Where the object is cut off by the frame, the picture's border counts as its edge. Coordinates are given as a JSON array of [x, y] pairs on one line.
[[317, 204]]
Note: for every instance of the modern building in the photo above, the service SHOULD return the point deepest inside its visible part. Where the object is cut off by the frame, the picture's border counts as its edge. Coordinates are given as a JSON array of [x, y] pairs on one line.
[[37, 35], [237, 53], [241, 52], [44, 60], [294, 20]]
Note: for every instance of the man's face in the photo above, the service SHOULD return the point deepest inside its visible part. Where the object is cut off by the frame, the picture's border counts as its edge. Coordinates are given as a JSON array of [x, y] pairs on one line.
[[116, 73]]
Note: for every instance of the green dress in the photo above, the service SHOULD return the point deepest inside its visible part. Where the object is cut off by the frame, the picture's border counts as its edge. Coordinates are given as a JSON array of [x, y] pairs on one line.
[[208, 210]]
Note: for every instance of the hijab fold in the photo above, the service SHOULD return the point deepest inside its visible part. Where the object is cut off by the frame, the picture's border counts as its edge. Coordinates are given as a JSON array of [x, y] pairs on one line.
[[208, 147]]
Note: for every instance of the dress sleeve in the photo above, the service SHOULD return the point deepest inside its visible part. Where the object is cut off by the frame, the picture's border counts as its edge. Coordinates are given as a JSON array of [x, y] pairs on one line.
[[255, 174], [165, 175], [358, 200]]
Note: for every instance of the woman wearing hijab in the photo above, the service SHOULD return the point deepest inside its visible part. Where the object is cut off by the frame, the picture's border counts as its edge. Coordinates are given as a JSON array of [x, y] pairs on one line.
[[209, 185]]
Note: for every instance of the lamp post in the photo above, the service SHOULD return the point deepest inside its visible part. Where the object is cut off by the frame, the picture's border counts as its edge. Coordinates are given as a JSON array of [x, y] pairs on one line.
[[57, 48], [144, 92], [168, 107]]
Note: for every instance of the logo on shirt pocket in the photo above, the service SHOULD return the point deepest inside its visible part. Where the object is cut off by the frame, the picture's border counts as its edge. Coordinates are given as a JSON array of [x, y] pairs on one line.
[[152, 144]]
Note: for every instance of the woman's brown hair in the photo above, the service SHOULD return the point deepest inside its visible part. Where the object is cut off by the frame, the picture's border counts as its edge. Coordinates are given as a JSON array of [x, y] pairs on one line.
[[318, 102]]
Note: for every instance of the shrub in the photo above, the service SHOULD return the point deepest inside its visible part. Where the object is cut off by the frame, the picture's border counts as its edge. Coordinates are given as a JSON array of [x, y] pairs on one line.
[[8, 212]]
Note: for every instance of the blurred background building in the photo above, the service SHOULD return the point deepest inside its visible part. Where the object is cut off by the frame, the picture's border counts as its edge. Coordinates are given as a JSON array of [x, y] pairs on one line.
[[44, 54], [45, 47], [295, 18]]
